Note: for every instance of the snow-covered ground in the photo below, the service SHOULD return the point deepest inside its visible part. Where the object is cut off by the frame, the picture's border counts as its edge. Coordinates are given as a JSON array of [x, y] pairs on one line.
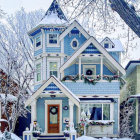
[[90, 138], [14, 137]]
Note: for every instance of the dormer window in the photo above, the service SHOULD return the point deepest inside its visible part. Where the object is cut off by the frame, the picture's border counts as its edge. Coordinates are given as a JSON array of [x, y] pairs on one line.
[[74, 43], [106, 45], [38, 41]]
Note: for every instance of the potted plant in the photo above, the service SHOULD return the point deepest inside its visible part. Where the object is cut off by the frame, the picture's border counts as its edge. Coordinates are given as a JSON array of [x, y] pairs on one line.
[[36, 129], [66, 133]]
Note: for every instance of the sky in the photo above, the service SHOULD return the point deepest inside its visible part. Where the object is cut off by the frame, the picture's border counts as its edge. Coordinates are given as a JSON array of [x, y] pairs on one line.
[[11, 6]]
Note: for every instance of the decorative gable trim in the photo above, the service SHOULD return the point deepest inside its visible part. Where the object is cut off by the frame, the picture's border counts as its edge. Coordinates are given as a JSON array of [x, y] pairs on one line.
[[100, 48], [60, 85], [73, 25]]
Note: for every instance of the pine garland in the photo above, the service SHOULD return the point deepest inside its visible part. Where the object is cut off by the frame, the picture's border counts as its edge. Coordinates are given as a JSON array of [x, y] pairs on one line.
[[70, 77]]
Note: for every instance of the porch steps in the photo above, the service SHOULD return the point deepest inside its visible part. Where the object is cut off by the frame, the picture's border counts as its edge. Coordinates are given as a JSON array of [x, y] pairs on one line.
[[51, 137]]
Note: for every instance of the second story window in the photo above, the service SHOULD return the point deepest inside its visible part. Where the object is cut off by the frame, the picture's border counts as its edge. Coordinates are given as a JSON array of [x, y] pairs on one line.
[[53, 69], [53, 39], [38, 41], [38, 72]]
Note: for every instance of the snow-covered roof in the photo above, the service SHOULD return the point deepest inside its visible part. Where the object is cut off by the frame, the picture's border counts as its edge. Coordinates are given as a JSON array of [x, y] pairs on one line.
[[54, 15], [10, 97], [118, 47]]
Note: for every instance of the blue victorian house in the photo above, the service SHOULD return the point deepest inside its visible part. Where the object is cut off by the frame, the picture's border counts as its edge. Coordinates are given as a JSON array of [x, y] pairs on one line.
[[77, 78]]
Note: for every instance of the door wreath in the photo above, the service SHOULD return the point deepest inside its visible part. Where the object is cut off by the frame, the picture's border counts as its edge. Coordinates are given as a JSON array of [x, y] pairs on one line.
[[53, 110]]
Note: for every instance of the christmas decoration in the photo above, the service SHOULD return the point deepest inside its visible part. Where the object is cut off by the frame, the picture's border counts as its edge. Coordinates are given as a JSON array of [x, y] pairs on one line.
[[70, 77]]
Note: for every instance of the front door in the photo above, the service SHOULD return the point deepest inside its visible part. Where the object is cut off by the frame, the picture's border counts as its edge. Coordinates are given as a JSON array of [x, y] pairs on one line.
[[53, 118]]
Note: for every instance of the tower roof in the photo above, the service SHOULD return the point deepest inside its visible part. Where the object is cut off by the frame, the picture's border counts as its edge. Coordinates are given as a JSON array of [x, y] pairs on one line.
[[54, 15]]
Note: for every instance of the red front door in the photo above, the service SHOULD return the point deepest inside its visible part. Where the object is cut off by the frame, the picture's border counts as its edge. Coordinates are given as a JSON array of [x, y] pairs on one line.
[[53, 118]]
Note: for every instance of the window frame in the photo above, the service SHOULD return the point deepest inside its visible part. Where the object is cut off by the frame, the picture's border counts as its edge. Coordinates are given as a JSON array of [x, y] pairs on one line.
[[90, 67], [72, 43], [39, 62], [50, 44], [102, 104], [35, 41]]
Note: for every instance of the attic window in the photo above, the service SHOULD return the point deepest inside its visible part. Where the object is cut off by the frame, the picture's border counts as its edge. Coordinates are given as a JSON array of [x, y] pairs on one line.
[[106, 45], [74, 43], [38, 41]]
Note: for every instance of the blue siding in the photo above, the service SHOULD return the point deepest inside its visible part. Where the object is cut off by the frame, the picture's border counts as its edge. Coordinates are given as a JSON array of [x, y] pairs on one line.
[[53, 49], [41, 111], [67, 42], [52, 86], [72, 70], [115, 127], [38, 52], [91, 49], [115, 55], [98, 89]]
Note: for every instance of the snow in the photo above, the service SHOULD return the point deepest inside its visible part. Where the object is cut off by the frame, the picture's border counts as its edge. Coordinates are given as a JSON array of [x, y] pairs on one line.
[[102, 121], [91, 138], [135, 96], [14, 137], [10, 97], [3, 120], [52, 19]]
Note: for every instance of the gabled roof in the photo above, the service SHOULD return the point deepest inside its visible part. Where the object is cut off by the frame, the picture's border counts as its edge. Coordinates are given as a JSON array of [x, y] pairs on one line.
[[71, 26], [100, 48], [60, 85]]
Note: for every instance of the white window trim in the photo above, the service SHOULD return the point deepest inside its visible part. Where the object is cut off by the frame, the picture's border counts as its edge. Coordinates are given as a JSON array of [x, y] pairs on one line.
[[36, 63], [39, 47], [89, 66], [52, 102], [77, 43], [48, 66], [52, 45], [111, 109]]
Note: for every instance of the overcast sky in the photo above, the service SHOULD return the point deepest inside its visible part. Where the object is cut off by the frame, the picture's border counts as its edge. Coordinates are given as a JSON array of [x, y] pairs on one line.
[[11, 6]]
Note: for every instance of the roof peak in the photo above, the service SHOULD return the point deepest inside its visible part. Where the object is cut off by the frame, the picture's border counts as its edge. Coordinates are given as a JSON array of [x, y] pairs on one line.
[[55, 9]]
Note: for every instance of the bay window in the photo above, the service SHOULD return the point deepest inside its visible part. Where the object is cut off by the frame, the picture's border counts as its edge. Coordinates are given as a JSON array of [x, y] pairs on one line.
[[38, 41], [38, 72], [97, 111], [54, 69]]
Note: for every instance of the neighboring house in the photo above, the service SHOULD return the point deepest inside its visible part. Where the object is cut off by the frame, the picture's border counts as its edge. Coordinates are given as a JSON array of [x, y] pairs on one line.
[[132, 92], [10, 98], [76, 77]]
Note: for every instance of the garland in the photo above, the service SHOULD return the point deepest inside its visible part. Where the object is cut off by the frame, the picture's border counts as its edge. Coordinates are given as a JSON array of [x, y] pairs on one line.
[[91, 81], [70, 77]]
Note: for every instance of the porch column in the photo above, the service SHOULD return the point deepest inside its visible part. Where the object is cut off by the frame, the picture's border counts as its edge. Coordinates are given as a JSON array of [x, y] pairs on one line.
[[101, 68], [80, 68], [33, 111], [71, 104]]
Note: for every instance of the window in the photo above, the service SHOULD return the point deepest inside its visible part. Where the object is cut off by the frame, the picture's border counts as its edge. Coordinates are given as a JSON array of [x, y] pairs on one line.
[[89, 70], [53, 38], [97, 111], [38, 41], [38, 72], [53, 69], [138, 115], [106, 45], [74, 43]]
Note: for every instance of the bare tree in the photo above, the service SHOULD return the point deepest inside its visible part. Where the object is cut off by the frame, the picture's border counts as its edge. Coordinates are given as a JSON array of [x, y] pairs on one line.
[[16, 59]]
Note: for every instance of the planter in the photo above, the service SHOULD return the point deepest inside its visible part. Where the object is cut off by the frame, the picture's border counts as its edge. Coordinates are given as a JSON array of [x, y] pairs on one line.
[[36, 134]]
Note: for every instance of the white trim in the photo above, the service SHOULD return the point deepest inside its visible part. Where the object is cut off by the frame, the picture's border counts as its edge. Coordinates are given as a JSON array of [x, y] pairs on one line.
[[100, 48], [60, 85], [78, 26], [77, 44], [54, 102], [52, 45], [62, 46], [50, 59], [43, 40], [33, 111]]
